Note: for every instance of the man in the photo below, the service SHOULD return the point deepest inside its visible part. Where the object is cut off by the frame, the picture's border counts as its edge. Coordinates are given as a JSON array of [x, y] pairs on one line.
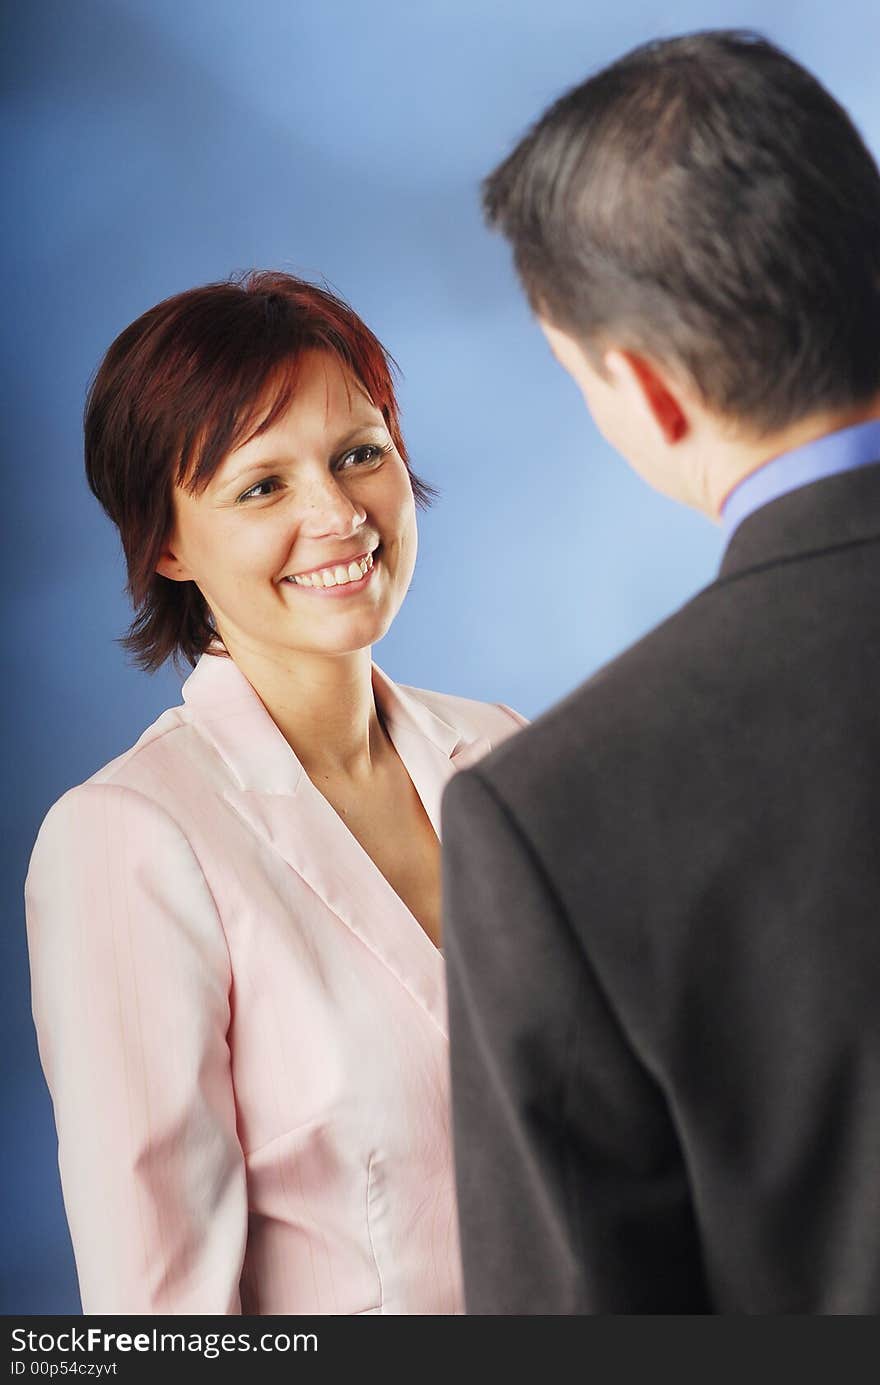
[[663, 898]]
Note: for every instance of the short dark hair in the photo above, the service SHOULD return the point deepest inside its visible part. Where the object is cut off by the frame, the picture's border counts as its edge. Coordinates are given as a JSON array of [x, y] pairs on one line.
[[190, 380], [706, 201]]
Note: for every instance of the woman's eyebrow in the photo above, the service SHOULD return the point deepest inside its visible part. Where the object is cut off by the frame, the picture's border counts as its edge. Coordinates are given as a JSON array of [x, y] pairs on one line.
[[359, 428], [262, 464]]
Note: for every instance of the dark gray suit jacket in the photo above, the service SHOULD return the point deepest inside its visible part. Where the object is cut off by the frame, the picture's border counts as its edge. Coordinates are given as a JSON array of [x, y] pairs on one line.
[[663, 942]]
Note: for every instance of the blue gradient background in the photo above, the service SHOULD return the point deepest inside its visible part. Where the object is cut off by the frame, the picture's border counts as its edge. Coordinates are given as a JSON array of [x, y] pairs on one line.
[[154, 145]]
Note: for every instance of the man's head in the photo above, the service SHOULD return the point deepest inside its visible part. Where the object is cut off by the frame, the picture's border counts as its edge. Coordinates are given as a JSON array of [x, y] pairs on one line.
[[697, 228]]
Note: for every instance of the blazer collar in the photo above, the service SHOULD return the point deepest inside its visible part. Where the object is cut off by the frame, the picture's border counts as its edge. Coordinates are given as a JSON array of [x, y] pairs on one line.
[[230, 714], [275, 796], [831, 513]]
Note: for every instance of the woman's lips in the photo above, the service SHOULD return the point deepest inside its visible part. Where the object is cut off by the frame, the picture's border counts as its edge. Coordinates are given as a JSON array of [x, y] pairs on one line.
[[341, 590]]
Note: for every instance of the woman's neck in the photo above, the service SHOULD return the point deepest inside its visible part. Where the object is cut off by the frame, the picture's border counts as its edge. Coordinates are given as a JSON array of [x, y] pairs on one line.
[[324, 707]]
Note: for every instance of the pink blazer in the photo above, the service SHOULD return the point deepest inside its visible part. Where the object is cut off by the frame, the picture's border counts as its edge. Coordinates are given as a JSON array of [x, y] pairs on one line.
[[242, 1026]]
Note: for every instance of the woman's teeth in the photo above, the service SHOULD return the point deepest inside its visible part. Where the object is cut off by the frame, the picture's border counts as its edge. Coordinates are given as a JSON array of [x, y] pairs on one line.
[[335, 576]]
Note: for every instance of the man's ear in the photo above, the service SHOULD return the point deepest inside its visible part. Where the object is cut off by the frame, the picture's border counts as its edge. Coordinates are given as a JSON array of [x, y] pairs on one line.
[[654, 393]]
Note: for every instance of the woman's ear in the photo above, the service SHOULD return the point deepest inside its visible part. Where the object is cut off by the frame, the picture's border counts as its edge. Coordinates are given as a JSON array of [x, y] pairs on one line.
[[655, 394], [170, 566]]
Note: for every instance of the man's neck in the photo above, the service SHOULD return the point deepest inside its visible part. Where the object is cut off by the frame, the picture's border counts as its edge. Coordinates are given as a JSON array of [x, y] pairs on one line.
[[737, 458]]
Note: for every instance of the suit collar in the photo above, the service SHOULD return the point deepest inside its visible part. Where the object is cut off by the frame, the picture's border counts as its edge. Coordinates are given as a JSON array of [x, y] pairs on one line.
[[831, 513]]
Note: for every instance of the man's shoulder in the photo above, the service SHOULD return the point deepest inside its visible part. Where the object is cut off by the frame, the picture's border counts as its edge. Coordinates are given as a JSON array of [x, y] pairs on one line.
[[640, 701]]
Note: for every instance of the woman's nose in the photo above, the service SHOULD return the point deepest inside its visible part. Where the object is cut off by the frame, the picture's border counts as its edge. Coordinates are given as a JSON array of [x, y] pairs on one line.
[[329, 510]]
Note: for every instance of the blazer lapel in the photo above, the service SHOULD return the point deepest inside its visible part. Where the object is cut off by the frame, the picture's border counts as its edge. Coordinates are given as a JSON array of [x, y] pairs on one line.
[[274, 795], [431, 749]]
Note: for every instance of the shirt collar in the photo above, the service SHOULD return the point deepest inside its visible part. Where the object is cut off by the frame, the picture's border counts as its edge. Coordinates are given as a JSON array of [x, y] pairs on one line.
[[826, 456]]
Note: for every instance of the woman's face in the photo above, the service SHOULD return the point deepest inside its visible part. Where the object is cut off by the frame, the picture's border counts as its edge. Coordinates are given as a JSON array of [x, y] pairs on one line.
[[305, 538]]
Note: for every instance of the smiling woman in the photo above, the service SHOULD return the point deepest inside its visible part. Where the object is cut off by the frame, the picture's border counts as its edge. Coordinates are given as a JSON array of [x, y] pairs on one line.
[[193, 387], [234, 927], [297, 505]]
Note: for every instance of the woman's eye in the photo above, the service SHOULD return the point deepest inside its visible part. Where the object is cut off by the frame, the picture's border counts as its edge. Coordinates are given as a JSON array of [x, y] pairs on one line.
[[257, 492], [366, 455]]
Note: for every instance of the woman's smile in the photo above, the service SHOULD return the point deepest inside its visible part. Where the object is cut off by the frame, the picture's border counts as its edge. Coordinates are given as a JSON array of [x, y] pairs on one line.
[[320, 505], [337, 580]]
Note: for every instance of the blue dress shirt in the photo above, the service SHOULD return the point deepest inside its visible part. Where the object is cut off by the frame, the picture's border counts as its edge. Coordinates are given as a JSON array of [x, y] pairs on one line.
[[841, 451]]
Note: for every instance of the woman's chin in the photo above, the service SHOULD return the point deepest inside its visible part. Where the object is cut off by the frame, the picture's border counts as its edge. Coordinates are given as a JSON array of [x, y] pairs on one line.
[[349, 636]]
